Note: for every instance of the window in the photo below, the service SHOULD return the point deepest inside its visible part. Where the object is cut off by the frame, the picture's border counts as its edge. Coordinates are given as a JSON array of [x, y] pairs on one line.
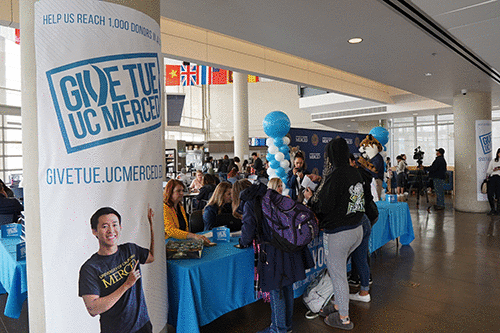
[[428, 132]]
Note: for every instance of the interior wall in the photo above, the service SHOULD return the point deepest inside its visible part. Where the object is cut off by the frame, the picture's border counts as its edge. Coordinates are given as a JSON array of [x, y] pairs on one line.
[[263, 97], [9, 13]]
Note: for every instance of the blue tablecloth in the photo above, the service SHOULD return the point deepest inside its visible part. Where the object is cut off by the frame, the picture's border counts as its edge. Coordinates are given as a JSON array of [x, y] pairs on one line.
[[394, 221], [12, 277], [201, 290]]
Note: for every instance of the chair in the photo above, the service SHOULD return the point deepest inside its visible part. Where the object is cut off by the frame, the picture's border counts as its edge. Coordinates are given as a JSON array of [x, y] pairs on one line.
[[196, 221], [228, 220], [6, 218], [18, 192]]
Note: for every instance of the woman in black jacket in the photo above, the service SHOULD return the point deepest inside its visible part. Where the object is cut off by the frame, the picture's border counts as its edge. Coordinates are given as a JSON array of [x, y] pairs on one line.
[[339, 205], [277, 270]]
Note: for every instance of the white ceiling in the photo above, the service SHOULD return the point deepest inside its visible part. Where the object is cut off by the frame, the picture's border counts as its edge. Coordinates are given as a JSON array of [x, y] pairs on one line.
[[394, 51]]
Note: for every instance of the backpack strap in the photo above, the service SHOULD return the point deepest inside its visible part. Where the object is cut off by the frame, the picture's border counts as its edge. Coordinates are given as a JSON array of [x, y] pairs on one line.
[[258, 213]]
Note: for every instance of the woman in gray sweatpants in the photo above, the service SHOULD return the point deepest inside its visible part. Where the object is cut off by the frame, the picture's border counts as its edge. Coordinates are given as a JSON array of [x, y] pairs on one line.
[[339, 205], [338, 246]]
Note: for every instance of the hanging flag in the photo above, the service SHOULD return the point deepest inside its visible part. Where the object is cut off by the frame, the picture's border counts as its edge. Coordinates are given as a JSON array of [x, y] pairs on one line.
[[18, 36], [172, 75], [229, 76], [219, 76], [205, 74], [252, 78], [189, 75]]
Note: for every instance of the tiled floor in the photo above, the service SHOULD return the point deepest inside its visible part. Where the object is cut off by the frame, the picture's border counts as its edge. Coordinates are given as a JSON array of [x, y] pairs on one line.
[[446, 281]]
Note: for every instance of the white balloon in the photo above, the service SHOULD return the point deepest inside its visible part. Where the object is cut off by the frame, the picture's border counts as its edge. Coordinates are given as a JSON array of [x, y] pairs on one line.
[[271, 173], [269, 142], [287, 169], [279, 156], [286, 140], [273, 150], [284, 164]]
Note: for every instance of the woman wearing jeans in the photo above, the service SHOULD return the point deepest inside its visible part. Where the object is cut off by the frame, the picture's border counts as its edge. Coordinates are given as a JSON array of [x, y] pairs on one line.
[[277, 270]]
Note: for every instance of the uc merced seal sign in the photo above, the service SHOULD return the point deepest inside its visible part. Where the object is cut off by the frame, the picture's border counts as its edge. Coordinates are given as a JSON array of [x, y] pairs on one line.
[[106, 99]]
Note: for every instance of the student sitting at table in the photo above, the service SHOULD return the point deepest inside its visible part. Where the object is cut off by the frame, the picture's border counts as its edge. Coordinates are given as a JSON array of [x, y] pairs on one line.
[[197, 182], [9, 205], [206, 191], [219, 203], [232, 176], [174, 215]]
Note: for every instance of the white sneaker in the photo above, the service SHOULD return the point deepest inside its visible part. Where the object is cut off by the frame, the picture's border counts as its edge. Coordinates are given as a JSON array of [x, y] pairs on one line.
[[358, 297]]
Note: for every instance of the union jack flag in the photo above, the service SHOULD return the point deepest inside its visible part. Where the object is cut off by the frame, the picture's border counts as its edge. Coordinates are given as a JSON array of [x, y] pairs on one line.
[[189, 75]]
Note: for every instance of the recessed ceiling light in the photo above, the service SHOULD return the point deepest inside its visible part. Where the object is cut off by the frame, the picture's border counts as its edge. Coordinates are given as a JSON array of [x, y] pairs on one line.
[[415, 114], [355, 40], [428, 74]]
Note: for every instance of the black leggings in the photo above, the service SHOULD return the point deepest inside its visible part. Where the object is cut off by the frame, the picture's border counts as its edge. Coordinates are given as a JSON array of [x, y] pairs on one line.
[[494, 190]]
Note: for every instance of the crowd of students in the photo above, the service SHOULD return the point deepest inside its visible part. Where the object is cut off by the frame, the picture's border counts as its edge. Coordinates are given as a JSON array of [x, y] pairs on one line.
[[342, 203]]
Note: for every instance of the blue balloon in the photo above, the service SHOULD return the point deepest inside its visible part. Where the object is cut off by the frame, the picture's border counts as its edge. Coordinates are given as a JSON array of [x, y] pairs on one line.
[[269, 157], [284, 180], [287, 156], [278, 142], [276, 124], [274, 164], [284, 149], [280, 172], [381, 134]]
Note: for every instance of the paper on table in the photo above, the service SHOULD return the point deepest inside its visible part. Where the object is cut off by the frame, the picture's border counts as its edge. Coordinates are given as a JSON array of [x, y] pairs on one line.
[[236, 234], [307, 182]]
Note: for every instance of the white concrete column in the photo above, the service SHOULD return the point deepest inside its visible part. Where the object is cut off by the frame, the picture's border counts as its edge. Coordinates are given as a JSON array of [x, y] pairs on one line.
[[467, 109], [240, 115], [34, 261], [36, 299]]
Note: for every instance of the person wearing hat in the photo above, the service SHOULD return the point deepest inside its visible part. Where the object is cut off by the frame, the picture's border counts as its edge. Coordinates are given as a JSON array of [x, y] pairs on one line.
[[437, 171]]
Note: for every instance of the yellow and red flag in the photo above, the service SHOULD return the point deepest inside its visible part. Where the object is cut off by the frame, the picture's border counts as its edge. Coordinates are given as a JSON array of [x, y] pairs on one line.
[[172, 75]]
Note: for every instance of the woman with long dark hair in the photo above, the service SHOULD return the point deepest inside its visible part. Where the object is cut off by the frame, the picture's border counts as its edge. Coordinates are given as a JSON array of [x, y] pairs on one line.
[[340, 206], [493, 173]]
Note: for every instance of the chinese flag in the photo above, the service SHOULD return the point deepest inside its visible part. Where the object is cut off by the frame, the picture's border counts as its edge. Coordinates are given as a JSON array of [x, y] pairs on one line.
[[219, 76], [172, 75], [252, 78]]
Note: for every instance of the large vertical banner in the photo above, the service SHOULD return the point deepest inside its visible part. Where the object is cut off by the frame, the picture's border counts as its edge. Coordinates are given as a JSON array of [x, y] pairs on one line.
[[483, 154], [99, 88]]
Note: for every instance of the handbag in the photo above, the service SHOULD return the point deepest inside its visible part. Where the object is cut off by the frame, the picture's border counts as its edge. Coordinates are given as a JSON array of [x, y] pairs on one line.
[[484, 186]]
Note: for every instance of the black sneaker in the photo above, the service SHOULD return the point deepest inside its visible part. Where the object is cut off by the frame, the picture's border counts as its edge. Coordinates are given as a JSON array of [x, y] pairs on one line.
[[491, 212], [354, 282]]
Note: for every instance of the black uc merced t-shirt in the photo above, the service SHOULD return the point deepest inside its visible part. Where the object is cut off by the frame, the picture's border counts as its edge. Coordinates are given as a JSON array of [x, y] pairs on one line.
[[102, 275]]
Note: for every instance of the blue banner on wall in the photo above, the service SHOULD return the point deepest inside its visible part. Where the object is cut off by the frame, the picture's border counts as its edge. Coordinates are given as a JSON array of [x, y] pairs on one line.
[[313, 143]]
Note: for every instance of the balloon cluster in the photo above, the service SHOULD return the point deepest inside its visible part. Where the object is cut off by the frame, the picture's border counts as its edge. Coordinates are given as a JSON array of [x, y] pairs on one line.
[[276, 125]]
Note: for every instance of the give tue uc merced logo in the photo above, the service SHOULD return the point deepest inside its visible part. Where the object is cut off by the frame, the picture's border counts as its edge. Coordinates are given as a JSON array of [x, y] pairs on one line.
[[106, 99]]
